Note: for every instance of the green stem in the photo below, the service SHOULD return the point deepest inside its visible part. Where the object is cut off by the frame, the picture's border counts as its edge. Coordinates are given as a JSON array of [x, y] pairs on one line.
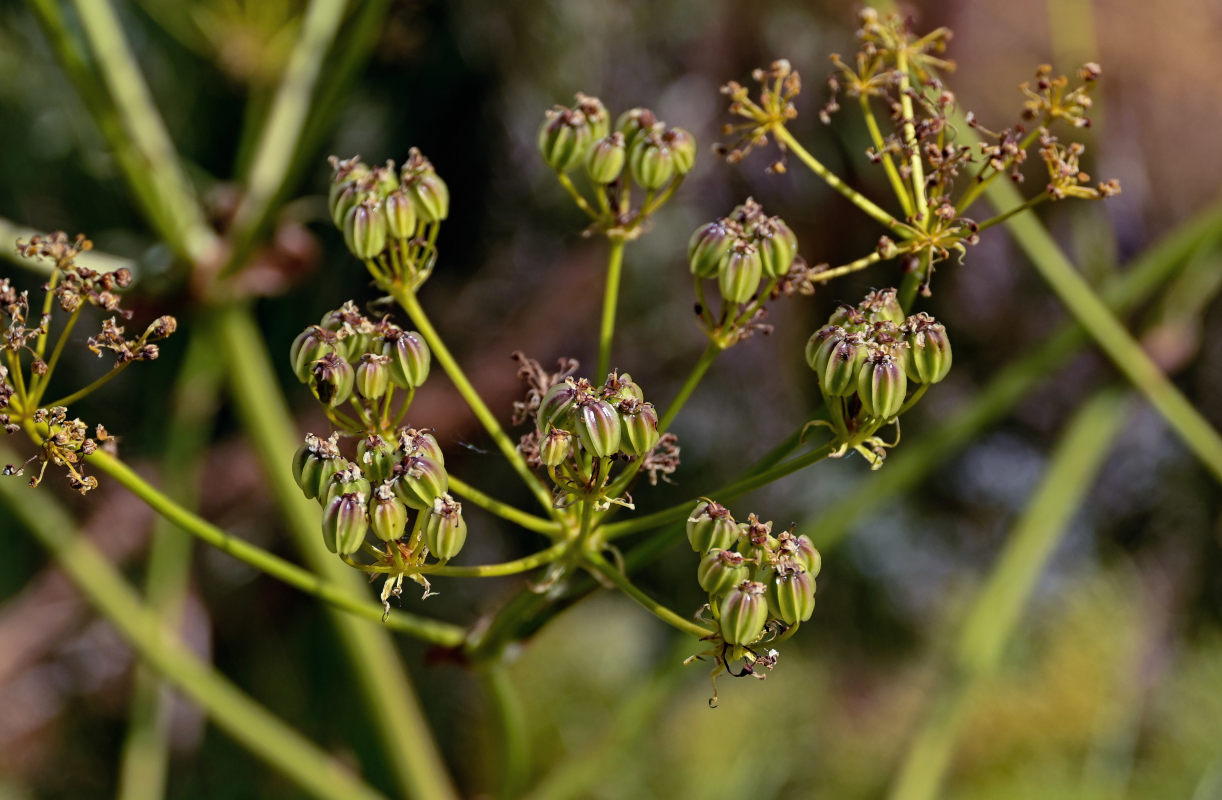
[[741, 486], [68, 400], [427, 630], [576, 195], [893, 175], [995, 612], [915, 163], [511, 729], [1032, 203], [407, 299], [615, 264], [693, 380], [234, 712], [600, 565], [146, 752], [505, 511], [833, 180], [141, 122], [384, 685], [524, 564], [58, 350], [285, 124], [847, 269]]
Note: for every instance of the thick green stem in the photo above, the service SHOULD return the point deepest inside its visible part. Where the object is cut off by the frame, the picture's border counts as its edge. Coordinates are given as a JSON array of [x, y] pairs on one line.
[[606, 332], [383, 684], [995, 612], [833, 180], [248, 723], [512, 735], [600, 565], [439, 633], [693, 380], [915, 164], [407, 299]]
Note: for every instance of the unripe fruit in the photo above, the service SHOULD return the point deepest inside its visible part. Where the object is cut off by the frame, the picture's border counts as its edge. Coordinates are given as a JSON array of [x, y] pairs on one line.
[[310, 345], [808, 556], [344, 524], [400, 214], [598, 427], [349, 480], [415, 442], [711, 526], [881, 385], [563, 138], [409, 359], [424, 186], [652, 162], [557, 408], [720, 571], [791, 596], [850, 318], [376, 457], [777, 245], [314, 463], [596, 115], [707, 247], [606, 158], [420, 481], [445, 530], [365, 230], [683, 145], [838, 362], [341, 199], [929, 356], [634, 123], [739, 273], [640, 422], [387, 514], [373, 376], [882, 305], [744, 612], [331, 380], [555, 447]]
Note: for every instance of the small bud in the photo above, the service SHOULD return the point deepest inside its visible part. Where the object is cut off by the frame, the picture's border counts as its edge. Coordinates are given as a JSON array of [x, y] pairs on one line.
[[777, 245], [555, 447], [160, 328], [706, 248], [619, 388], [331, 380], [652, 162], [739, 273], [606, 159], [344, 524], [640, 423], [633, 123], [349, 480], [310, 345], [557, 408], [744, 612], [314, 464], [409, 359], [711, 526], [416, 442], [808, 556], [342, 200], [563, 138], [791, 597], [881, 385], [376, 457], [598, 427], [387, 514], [882, 305], [850, 318], [445, 530], [400, 214], [425, 187], [683, 145], [721, 570], [837, 362], [365, 231], [373, 376], [929, 356], [596, 115], [420, 481]]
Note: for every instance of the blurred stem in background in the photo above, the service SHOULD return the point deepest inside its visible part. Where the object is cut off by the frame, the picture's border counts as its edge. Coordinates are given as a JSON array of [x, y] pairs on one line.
[[995, 612], [145, 761], [247, 722]]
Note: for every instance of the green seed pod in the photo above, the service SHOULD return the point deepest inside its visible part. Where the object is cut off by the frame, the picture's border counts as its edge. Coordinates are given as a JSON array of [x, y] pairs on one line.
[[720, 571], [881, 385], [315, 462], [808, 556], [342, 198], [331, 380], [387, 514], [563, 138], [445, 530], [373, 376], [837, 363], [761, 544], [744, 612], [710, 526], [738, 275], [849, 318], [640, 422], [606, 158], [557, 408], [929, 357], [310, 345], [400, 214], [882, 305], [596, 115], [635, 122], [598, 427], [414, 442], [409, 358], [424, 186], [365, 230], [683, 145], [817, 340], [618, 388], [708, 245], [791, 596], [349, 480], [555, 447], [376, 457], [420, 481], [652, 162], [777, 245], [344, 524]]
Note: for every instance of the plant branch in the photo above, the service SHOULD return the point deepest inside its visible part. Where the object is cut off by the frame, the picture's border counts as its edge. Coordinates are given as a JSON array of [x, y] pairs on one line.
[[600, 565], [606, 333]]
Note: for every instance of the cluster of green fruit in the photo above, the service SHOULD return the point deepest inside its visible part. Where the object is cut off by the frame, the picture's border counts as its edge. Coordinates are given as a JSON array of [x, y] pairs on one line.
[[742, 249]]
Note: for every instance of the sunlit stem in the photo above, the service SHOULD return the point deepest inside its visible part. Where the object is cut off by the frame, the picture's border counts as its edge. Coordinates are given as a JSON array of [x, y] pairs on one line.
[[1000, 218], [42, 383], [615, 264], [576, 195], [915, 163], [97, 384], [893, 174]]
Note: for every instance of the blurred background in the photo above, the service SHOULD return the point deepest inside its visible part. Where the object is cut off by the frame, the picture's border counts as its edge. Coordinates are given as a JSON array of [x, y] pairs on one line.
[[1111, 686]]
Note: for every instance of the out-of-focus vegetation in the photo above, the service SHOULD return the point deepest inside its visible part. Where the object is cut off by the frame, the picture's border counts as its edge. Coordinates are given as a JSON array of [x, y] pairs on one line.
[[1110, 684]]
